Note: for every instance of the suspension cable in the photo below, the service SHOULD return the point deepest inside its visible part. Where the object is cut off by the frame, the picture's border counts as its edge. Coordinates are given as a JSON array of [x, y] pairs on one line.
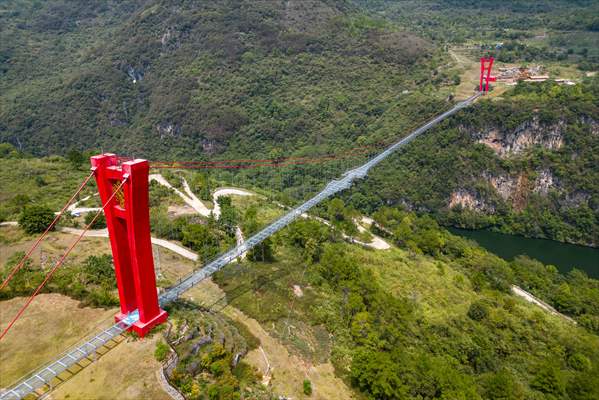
[[61, 260], [43, 235]]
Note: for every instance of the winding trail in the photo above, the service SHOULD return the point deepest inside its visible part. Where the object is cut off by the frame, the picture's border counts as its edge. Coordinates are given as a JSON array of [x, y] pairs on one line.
[[74, 210], [226, 192], [377, 242], [518, 291], [190, 199], [182, 251]]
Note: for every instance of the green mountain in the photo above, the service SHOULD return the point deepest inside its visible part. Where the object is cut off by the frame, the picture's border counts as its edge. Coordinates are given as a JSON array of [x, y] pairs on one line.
[[526, 164], [434, 316], [204, 80], [190, 79]]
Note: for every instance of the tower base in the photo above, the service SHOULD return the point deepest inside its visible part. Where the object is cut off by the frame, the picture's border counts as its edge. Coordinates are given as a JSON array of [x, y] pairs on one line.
[[142, 328]]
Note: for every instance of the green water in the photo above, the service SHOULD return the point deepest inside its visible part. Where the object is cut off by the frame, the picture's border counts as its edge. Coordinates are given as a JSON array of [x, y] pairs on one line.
[[564, 256]]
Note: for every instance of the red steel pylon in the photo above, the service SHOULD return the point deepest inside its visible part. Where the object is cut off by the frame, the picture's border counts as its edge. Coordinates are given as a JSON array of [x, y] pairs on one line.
[[128, 223], [486, 64]]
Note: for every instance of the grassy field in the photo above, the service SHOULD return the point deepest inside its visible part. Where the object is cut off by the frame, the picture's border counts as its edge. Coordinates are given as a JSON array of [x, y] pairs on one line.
[[126, 372], [52, 323], [49, 181]]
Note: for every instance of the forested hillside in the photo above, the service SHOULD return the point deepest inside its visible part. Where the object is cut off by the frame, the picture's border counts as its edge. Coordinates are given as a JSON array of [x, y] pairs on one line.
[[526, 164], [206, 80], [543, 30], [197, 78]]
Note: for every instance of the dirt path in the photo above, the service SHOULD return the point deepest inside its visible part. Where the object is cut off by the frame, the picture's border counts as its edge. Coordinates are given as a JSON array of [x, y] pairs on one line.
[[518, 291], [191, 201], [377, 242], [9, 223], [74, 210], [226, 192], [201, 208], [182, 251]]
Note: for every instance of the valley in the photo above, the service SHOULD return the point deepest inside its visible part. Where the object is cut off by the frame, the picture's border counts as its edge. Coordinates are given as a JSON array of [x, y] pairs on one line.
[[462, 266]]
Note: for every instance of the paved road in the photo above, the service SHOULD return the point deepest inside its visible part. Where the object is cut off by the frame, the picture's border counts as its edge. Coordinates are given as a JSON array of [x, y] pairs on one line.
[[182, 251]]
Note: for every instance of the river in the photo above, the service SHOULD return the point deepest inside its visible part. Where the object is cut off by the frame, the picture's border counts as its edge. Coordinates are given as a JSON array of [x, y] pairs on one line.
[[564, 256]]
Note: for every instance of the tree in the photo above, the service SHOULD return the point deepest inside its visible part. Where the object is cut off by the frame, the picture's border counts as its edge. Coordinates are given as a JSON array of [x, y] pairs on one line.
[[99, 223], [336, 210], [478, 311], [309, 236], [262, 251], [201, 239], [503, 386], [99, 270], [76, 158], [228, 215], [583, 386], [336, 266], [548, 380], [376, 374], [35, 218]]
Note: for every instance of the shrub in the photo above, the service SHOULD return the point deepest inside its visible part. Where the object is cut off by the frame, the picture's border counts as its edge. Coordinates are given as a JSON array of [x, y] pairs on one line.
[[161, 351], [35, 219], [478, 311], [99, 223], [201, 239], [548, 380], [307, 387], [262, 252]]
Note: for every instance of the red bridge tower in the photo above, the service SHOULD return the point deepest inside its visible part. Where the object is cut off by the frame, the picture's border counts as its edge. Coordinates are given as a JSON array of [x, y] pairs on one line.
[[128, 223], [486, 64]]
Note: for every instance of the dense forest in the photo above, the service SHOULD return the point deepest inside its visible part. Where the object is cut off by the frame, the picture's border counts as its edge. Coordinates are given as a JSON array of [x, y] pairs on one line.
[[528, 162]]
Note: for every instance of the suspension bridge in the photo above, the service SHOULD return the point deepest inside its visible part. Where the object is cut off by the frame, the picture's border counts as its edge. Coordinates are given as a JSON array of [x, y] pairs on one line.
[[124, 196]]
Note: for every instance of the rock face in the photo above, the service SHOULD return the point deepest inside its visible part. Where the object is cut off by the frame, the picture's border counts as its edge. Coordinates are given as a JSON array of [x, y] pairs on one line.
[[512, 189], [469, 200], [168, 129], [544, 182], [525, 136]]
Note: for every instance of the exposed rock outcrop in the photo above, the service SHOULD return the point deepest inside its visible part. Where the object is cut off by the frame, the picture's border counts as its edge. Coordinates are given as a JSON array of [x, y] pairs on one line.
[[469, 200], [544, 182], [525, 136], [168, 129], [136, 74]]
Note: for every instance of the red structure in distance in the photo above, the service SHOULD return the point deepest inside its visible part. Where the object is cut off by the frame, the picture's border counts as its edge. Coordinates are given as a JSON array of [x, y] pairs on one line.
[[128, 223], [486, 64]]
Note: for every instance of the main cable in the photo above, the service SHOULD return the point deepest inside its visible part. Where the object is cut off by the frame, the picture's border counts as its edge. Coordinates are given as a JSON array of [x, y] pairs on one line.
[[43, 235], [60, 261]]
